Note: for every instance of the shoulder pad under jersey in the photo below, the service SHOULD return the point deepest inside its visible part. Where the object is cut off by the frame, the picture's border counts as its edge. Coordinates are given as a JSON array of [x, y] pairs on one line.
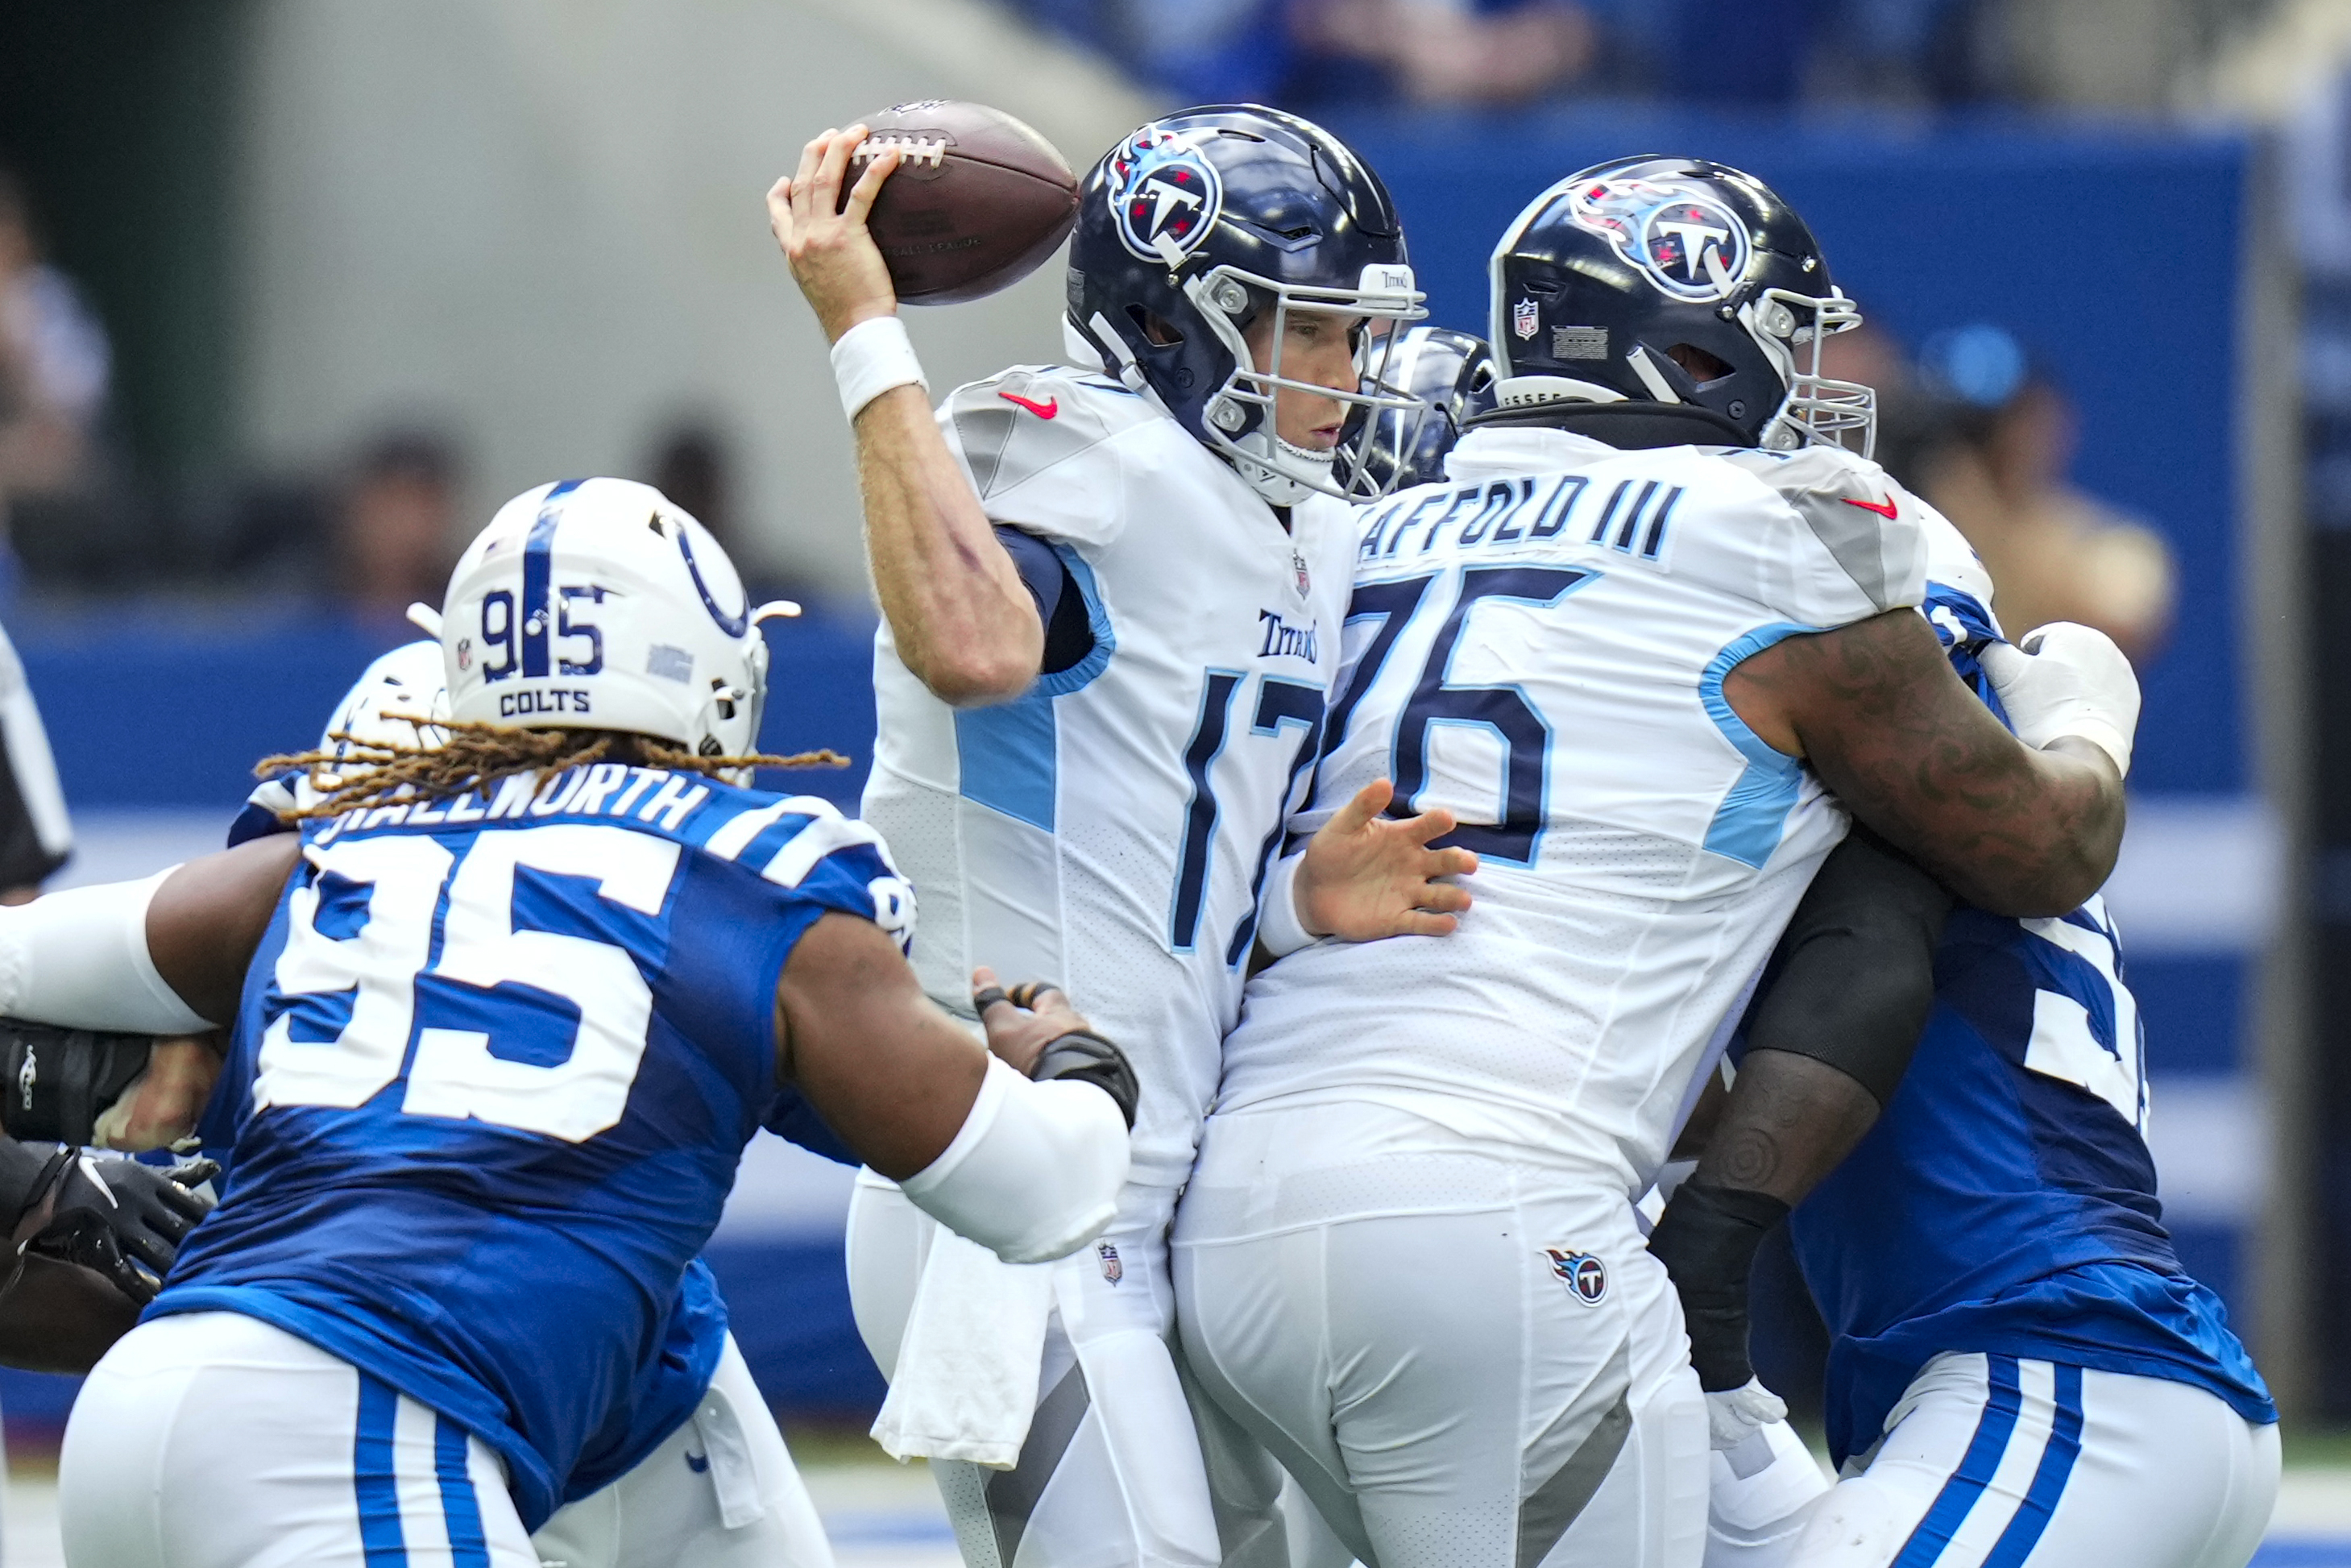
[[1870, 525], [1023, 435]]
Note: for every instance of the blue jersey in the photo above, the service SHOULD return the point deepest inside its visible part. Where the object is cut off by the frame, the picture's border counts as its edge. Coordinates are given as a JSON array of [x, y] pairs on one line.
[[2005, 1202], [502, 1056]]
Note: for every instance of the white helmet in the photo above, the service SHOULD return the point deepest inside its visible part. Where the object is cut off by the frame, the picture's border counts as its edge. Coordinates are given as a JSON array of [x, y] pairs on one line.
[[399, 702], [598, 604]]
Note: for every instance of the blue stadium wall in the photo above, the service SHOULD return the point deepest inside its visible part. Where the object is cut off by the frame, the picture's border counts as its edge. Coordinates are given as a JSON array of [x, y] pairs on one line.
[[2113, 255]]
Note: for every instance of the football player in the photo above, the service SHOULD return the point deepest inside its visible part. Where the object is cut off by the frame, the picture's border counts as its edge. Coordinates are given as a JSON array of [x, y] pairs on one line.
[[1113, 597], [1652, 620], [513, 1006], [715, 1486], [2021, 1372]]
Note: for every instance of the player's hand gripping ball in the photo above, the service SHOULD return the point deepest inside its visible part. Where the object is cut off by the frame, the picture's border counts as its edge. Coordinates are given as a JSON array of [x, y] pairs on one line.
[[977, 201], [928, 203]]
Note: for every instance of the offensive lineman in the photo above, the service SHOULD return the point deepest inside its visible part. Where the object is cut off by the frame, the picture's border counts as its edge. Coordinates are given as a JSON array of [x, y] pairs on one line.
[[1408, 1259], [1114, 599], [514, 1011]]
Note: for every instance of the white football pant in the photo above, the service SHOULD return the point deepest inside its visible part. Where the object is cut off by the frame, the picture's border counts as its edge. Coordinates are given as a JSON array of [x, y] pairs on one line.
[[721, 1491], [1112, 1475], [1466, 1362], [215, 1440], [1996, 1461]]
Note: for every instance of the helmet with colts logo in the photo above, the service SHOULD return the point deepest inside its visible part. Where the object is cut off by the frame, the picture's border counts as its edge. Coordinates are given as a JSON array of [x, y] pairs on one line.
[[1194, 227], [598, 604], [1450, 377], [1603, 276]]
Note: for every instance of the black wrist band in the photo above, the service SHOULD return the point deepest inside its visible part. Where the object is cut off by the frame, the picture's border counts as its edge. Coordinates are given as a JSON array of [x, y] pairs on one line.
[[1707, 1240]]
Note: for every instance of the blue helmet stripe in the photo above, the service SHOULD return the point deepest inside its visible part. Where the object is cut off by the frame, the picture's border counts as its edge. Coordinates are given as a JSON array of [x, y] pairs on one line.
[[538, 566], [732, 625]]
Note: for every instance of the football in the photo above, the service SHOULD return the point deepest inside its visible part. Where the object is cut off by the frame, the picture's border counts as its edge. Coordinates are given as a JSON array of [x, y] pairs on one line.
[[978, 199]]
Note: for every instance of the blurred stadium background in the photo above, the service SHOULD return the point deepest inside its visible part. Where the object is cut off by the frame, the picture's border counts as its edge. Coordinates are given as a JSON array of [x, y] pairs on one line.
[[292, 292]]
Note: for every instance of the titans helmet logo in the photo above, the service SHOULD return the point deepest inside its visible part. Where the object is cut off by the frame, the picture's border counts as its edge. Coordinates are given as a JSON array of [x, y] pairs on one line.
[[1684, 241], [1164, 194]]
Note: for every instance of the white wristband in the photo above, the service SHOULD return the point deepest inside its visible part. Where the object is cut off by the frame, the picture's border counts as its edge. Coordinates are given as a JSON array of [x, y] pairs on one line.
[[1279, 928], [871, 359]]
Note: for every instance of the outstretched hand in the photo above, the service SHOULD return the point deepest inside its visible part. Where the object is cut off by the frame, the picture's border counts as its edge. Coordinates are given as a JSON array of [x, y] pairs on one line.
[[833, 258], [1367, 876], [1022, 1021]]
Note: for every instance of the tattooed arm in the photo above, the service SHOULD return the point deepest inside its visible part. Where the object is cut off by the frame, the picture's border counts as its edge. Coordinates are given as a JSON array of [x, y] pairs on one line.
[[1876, 711], [1832, 1032]]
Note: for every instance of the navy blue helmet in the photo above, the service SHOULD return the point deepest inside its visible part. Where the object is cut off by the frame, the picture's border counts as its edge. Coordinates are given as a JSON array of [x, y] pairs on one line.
[[1195, 226], [1677, 281], [1449, 376]]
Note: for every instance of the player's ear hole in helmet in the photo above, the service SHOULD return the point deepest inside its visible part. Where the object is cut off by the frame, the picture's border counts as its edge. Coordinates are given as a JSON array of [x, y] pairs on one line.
[[1674, 284], [1213, 226]]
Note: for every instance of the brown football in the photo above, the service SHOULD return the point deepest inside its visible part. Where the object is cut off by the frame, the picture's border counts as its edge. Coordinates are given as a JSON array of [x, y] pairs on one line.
[[977, 201]]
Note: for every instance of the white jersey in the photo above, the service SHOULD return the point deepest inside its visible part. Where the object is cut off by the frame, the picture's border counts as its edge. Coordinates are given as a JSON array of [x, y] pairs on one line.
[[1109, 832], [1540, 645]]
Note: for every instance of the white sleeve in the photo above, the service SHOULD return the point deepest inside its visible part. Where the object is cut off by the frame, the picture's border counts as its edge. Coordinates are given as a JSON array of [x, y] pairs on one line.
[[1041, 449], [1035, 1172], [29, 759], [1847, 542], [79, 958]]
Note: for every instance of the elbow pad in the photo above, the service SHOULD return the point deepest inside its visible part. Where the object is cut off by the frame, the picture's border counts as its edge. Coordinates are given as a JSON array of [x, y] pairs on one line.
[[79, 959], [56, 1085], [1036, 1171]]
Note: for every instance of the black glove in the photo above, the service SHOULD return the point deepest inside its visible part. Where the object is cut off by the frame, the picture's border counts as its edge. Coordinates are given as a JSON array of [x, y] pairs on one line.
[[1707, 1240], [1090, 1059], [117, 1217]]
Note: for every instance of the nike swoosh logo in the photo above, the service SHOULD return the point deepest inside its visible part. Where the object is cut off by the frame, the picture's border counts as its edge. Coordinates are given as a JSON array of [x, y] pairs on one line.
[[1045, 410], [697, 1463], [1883, 508]]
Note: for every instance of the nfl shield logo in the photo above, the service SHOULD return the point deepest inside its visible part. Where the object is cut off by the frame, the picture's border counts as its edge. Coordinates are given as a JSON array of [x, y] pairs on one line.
[[1524, 318], [1111, 1269], [1585, 1276], [1298, 565]]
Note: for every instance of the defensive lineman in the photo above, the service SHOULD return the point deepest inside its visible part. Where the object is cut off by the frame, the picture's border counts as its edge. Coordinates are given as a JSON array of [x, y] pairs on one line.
[[715, 1487], [1113, 600], [2020, 1371], [514, 1010], [1407, 1259]]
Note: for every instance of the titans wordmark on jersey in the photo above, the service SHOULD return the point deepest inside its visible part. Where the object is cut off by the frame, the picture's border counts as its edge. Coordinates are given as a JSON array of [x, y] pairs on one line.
[[2005, 1202], [505, 1052], [1111, 830], [1540, 645]]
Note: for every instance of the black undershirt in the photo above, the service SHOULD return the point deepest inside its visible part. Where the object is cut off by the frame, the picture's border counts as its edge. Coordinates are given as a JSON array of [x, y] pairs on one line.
[[1061, 604]]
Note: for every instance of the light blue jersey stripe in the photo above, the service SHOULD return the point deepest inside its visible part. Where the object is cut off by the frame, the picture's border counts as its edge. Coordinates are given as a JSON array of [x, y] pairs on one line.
[[1748, 823], [2032, 1515], [1950, 1507], [374, 1479]]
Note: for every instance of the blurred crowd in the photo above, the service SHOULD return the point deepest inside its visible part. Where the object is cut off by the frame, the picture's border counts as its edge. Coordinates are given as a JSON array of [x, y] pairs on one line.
[[368, 538], [1984, 432], [1315, 54]]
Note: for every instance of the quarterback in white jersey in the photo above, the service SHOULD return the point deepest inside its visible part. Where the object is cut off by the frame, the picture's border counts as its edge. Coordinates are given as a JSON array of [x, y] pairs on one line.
[[1113, 601], [1407, 1259]]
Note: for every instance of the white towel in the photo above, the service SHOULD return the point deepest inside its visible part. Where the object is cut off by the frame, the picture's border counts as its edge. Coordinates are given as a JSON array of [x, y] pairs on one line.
[[965, 1383]]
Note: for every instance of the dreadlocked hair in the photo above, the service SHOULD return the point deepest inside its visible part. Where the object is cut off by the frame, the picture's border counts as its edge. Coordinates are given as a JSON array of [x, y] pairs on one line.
[[363, 773]]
